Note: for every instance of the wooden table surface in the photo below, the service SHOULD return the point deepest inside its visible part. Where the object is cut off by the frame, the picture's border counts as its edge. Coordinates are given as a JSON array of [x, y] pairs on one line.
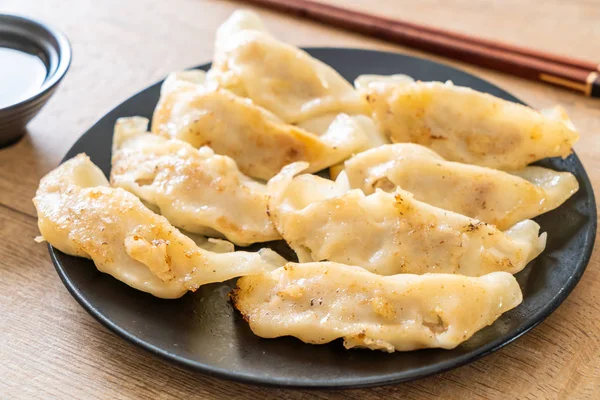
[[51, 348]]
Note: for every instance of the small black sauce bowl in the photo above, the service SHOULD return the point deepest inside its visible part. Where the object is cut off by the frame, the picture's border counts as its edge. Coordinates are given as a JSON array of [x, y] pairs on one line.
[[53, 48]]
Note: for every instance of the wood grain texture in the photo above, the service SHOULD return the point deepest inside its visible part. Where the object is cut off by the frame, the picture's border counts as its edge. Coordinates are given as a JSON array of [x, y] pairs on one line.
[[507, 58], [50, 348]]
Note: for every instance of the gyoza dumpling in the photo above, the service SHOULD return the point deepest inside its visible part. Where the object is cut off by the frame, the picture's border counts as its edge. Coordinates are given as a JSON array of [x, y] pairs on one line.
[[79, 214], [464, 125], [391, 233], [277, 76], [321, 302], [259, 142], [195, 189], [489, 195]]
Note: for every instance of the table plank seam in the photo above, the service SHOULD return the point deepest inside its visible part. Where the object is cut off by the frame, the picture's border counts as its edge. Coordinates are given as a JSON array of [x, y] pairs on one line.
[[20, 212]]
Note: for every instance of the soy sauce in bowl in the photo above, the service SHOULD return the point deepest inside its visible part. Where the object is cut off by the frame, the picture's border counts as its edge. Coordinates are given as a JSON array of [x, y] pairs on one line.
[[34, 57], [21, 75]]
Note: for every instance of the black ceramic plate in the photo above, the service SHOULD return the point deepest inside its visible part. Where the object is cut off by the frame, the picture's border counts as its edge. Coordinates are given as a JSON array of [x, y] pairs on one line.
[[202, 330]]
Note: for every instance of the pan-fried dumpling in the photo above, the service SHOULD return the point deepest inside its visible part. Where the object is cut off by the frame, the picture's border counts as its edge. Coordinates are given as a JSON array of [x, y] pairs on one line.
[[489, 195], [195, 189], [321, 302], [277, 76], [189, 78], [464, 125], [259, 142], [391, 233], [79, 214], [238, 21]]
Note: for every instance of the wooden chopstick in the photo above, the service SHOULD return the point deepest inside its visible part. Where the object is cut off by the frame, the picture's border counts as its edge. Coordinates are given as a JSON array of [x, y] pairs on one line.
[[579, 75]]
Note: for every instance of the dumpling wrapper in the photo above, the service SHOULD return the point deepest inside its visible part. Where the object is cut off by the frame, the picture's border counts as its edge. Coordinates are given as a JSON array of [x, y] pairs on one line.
[[496, 197], [79, 214], [391, 233], [321, 302], [260, 143], [373, 137], [364, 81], [468, 126], [277, 76], [195, 189]]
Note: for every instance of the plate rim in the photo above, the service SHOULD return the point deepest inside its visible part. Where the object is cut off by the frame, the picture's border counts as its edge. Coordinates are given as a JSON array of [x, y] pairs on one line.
[[379, 380]]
